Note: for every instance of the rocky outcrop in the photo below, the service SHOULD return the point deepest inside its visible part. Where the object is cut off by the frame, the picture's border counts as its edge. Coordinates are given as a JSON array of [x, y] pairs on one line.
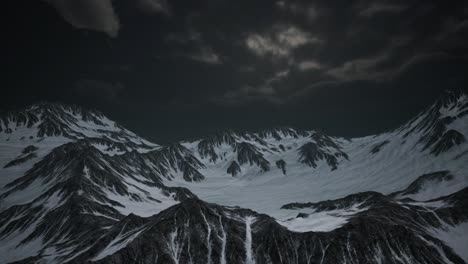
[[234, 168], [283, 132], [432, 125], [448, 140], [281, 164], [434, 178], [379, 146], [321, 147], [199, 232], [28, 153], [76, 199], [206, 146], [249, 154], [69, 121], [175, 158]]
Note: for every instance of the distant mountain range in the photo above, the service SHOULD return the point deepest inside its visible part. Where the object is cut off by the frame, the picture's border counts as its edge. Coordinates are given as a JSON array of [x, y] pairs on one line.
[[76, 187]]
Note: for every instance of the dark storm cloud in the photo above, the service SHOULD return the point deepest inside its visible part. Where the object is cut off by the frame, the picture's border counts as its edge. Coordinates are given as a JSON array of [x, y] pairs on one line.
[[154, 6], [100, 15], [279, 42], [358, 45], [97, 15], [215, 64]]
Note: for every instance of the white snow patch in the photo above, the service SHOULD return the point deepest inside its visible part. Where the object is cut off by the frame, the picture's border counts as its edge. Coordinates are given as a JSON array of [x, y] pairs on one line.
[[174, 247], [121, 241], [248, 240], [456, 237], [223, 243], [433, 189], [144, 208], [324, 221], [208, 241], [393, 168]]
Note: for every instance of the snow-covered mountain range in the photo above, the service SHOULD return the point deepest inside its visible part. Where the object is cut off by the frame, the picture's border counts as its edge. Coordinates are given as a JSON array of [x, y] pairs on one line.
[[75, 187]]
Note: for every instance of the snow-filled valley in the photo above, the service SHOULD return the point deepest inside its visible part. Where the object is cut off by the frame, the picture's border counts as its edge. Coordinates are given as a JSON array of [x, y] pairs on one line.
[[76, 187]]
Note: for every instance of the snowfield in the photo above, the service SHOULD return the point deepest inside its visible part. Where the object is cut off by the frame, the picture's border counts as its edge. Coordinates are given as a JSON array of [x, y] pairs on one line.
[[70, 176]]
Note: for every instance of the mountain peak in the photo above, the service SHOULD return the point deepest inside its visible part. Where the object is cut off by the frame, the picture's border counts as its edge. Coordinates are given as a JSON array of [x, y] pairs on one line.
[[46, 119], [452, 97], [84, 189]]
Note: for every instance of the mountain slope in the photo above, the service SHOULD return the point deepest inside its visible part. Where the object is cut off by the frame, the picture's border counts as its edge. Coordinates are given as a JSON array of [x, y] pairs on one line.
[[77, 188], [318, 167], [197, 232]]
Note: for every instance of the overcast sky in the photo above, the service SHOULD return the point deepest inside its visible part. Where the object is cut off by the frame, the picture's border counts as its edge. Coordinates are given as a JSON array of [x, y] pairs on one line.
[[171, 70]]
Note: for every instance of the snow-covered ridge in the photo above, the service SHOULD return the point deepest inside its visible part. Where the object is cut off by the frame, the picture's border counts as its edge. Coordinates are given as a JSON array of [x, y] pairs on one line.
[[307, 166], [65, 170], [57, 120]]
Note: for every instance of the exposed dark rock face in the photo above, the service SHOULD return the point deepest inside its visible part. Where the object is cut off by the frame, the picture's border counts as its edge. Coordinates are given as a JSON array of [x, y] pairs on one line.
[[274, 133], [379, 146], [178, 158], [73, 204], [449, 139], [310, 154], [281, 146], [74, 208], [433, 123], [206, 147], [385, 224], [437, 129], [115, 146], [71, 162], [69, 121], [365, 199], [21, 118], [76, 222], [252, 145], [415, 187], [281, 164], [82, 166], [282, 132], [201, 233], [248, 153], [29, 149], [198, 232], [234, 168], [28, 153], [20, 159], [52, 119], [321, 147]]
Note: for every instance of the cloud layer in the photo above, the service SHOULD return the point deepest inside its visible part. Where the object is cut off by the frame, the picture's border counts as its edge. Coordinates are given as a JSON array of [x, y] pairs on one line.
[[280, 42], [352, 67], [100, 15]]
